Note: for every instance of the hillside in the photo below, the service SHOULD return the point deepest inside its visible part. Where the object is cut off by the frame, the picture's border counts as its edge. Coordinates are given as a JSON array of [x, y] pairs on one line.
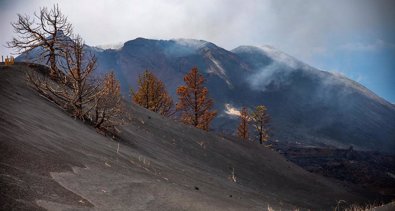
[[51, 161], [307, 105]]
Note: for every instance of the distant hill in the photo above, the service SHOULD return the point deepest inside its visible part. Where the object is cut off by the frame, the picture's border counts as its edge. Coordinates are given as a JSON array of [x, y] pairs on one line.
[[307, 105]]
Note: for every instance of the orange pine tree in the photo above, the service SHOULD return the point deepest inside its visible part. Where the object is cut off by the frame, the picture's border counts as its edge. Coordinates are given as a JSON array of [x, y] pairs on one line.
[[260, 120], [194, 104], [152, 94], [242, 130], [109, 110]]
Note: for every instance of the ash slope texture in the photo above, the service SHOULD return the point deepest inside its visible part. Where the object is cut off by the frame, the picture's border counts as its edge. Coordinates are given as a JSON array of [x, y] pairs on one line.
[[51, 161], [307, 105]]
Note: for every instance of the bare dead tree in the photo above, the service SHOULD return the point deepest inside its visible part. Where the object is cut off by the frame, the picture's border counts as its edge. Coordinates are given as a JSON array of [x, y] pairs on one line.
[[74, 89], [104, 107], [86, 97], [79, 66], [71, 82], [47, 30]]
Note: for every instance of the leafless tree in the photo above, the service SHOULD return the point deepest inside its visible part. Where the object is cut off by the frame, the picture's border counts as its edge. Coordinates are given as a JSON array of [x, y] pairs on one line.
[[46, 31], [72, 83], [79, 66], [80, 92], [75, 88]]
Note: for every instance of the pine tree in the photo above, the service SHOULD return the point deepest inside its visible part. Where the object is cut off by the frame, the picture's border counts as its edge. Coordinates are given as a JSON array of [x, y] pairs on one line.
[[109, 109], [242, 130], [260, 120], [194, 104], [152, 94]]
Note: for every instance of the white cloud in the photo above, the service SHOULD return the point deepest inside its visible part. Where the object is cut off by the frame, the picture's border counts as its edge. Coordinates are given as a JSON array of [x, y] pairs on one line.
[[301, 28], [338, 73], [374, 46], [359, 78], [356, 77]]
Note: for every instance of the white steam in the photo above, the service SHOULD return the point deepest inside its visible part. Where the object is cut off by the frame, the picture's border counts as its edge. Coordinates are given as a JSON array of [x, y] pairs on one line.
[[232, 111], [274, 74]]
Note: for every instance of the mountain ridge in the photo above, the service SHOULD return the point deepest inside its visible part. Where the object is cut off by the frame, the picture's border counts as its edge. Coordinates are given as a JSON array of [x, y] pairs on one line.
[[307, 105]]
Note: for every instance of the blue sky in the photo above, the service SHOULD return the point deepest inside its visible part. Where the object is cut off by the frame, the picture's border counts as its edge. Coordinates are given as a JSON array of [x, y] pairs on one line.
[[371, 64], [351, 37]]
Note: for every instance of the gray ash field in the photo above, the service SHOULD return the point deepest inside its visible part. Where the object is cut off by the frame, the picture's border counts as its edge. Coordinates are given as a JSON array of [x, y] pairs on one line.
[[52, 161]]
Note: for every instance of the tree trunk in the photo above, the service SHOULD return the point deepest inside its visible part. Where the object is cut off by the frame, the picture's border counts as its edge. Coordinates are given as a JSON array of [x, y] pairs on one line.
[[196, 123], [52, 61]]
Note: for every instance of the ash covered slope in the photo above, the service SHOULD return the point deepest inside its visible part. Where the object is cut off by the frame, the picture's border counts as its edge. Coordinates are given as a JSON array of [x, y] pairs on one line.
[[51, 161]]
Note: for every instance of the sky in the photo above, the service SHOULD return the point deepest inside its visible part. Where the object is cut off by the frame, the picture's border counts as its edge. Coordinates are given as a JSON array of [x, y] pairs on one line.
[[355, 38]]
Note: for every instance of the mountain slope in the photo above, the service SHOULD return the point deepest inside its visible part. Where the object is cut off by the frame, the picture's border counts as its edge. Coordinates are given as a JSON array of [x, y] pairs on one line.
[[307, 105], [328, 107], [49, 160]]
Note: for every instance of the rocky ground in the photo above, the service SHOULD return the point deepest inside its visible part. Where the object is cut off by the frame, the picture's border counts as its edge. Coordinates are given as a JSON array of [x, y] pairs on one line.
[[374, 171]]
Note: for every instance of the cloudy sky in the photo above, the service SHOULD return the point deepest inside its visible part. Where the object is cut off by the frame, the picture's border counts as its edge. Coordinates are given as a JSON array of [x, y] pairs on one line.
[[351, 37]]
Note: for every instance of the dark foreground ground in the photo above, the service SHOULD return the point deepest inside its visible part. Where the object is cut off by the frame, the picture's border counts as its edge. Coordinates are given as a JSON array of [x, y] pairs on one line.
[[51, 161], [374, 171]]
